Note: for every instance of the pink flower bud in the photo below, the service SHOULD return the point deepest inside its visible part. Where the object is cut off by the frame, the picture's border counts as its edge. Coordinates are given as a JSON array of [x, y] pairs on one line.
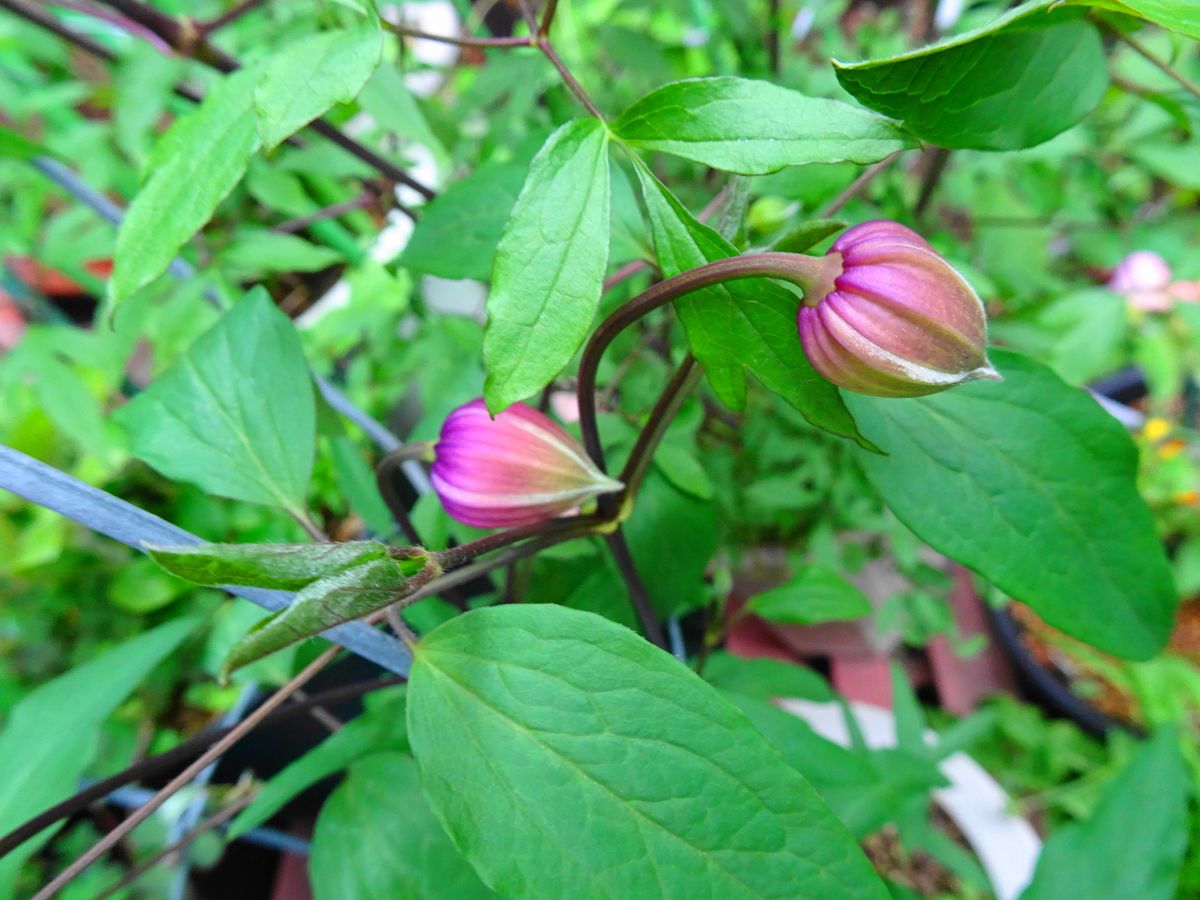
[[897, 320], [516, 469]]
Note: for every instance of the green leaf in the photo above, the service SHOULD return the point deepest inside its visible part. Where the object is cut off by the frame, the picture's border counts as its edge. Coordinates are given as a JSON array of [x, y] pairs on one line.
[[807, 235], [679, 463], [867, 789], [1171, 162], [740, 324], [341, 597], [67, 401], [458, 231], [305, 78], [1014, 83], [380, 728], [755, 127], [910, 720], [815, 594], [1082, 334], [673, 536], [581, 575], [389, 101], [141, 587], [567, 757], [257, 251], [288, 567], [376, 839], [235, 414], [831, 768], [1031, 484], [16, 146], [764, 677], [356, 481], [1133, 844], [549, 265], [51, 735], [195, 165], [1176, 15]]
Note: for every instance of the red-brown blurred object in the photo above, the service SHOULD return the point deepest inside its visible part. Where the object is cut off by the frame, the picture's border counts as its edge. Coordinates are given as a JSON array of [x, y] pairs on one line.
[[49, 281]]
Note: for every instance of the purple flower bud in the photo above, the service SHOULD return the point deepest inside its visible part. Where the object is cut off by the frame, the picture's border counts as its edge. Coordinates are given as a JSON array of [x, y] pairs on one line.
[[516, 469], [897, 320]]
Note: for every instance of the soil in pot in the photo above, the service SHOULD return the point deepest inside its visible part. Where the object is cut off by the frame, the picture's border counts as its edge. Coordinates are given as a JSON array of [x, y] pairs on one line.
[[918, 871], [1094, 676]]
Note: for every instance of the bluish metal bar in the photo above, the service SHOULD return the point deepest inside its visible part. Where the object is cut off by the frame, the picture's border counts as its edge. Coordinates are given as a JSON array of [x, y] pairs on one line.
[[190, 816], [46, 486]]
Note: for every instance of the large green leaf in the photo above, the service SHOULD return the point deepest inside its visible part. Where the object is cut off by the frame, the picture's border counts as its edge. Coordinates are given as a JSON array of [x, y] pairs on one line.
[[51, 734], [1014, 83], [376, 839], [305, 78], [1133, 844], [235, 414], [195, 165], [380, 728], [740, 324], [549, 265], [1033, 485], [755, 127], [457, 233], [867, 789], [567, 757]]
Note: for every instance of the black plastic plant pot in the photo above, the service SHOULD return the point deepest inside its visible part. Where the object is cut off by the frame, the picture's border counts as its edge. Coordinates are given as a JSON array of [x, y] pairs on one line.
[[1044, 684]]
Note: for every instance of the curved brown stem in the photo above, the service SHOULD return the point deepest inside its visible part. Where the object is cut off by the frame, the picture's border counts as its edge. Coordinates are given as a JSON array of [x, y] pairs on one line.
[[685, 378], [386, 471], [558, 529], [457, 41], [802, 270], [651, 626]]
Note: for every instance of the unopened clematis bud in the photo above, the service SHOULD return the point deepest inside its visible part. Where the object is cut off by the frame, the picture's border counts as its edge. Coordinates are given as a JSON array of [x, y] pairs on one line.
[[516, 469], [892, 318]]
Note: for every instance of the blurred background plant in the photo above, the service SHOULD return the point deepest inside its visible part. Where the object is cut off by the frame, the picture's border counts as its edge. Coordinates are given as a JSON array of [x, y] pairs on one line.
[[1082, 248]]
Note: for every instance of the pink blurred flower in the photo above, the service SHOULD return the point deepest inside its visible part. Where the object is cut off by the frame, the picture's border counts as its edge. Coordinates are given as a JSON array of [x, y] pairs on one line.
[[565, 405], [1144, 278]]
